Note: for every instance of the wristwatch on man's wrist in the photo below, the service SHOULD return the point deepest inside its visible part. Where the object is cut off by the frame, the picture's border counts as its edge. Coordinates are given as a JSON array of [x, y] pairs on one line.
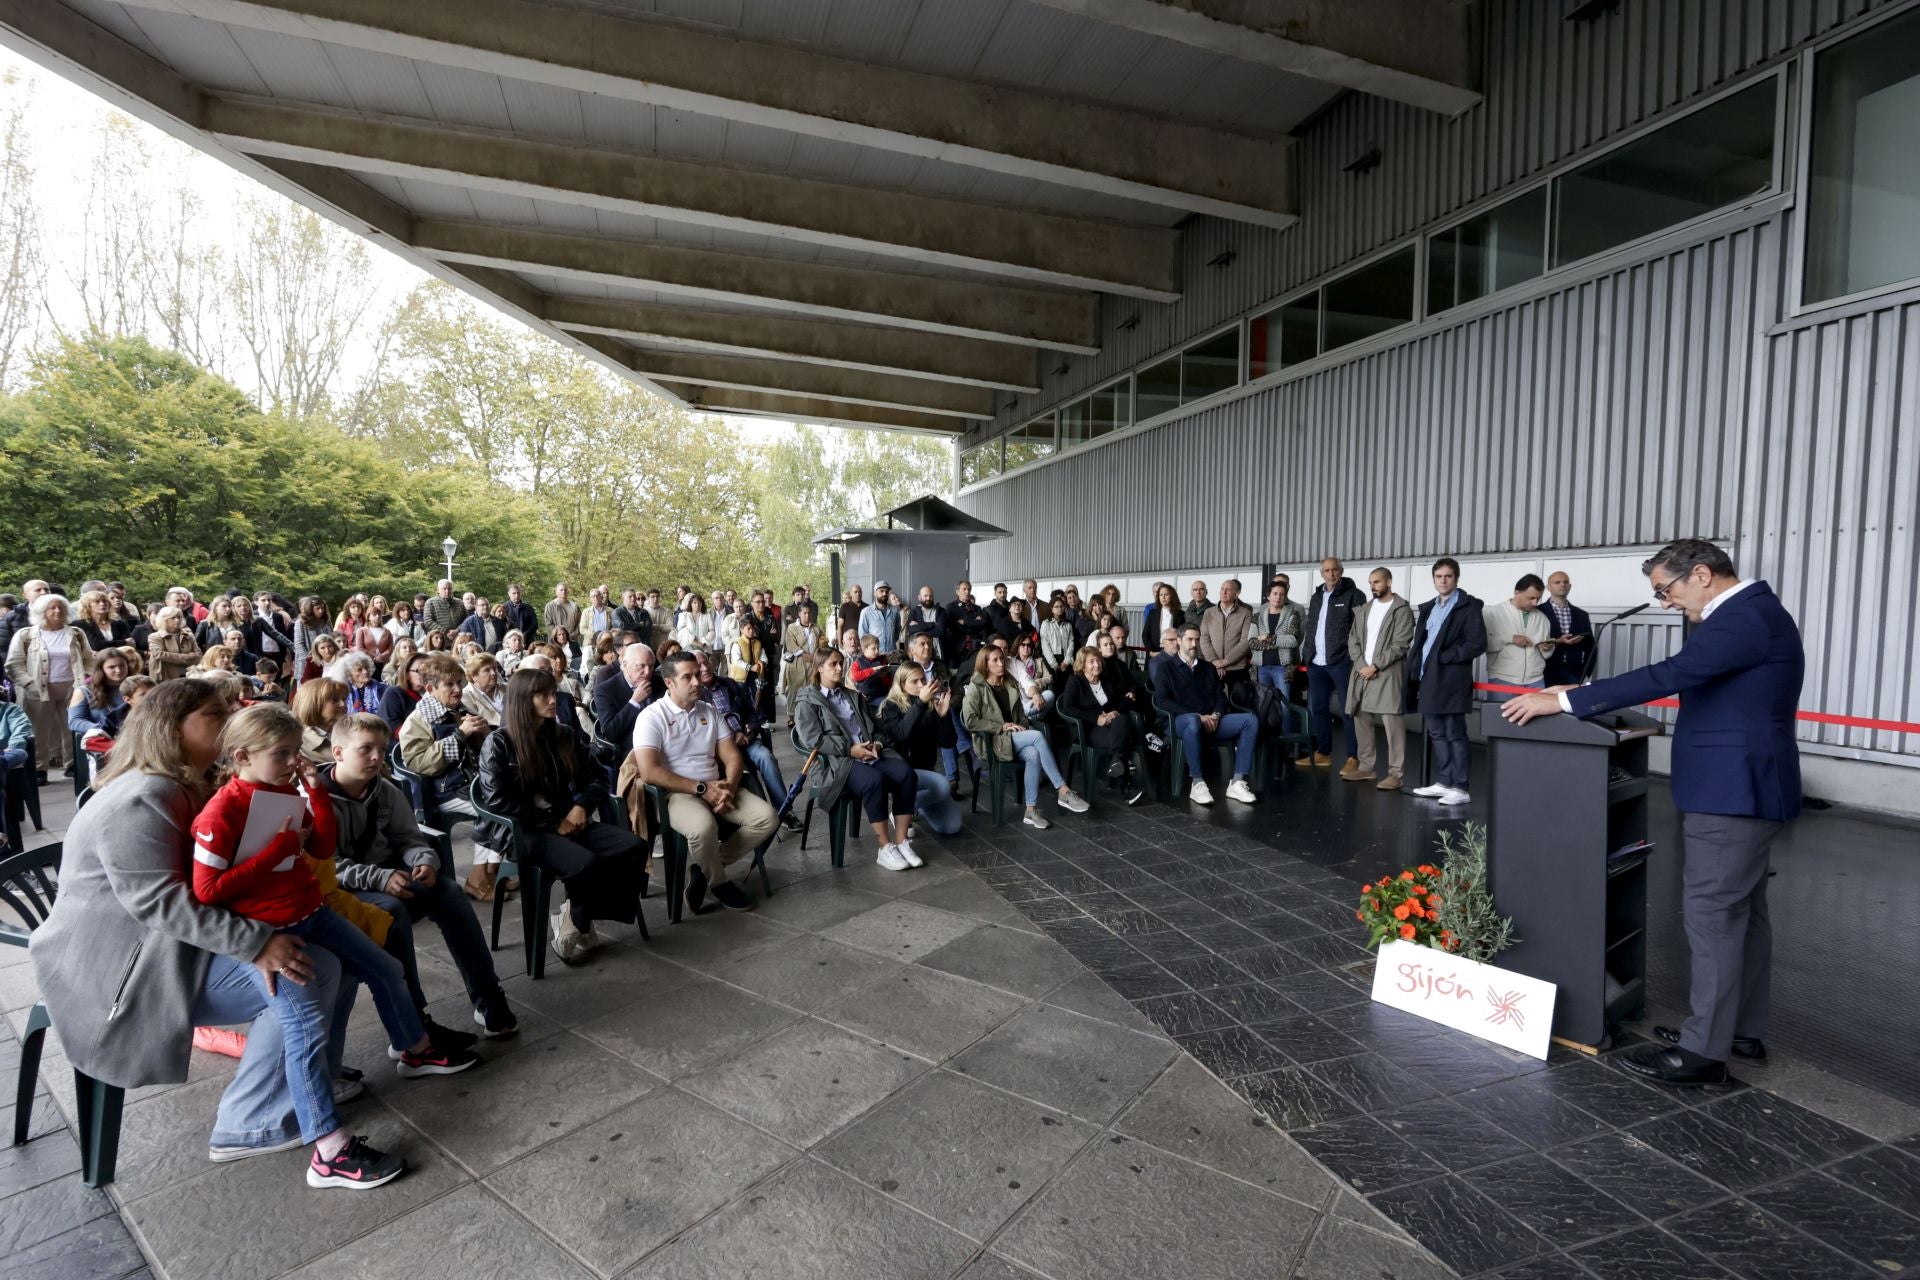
[[700, 789]]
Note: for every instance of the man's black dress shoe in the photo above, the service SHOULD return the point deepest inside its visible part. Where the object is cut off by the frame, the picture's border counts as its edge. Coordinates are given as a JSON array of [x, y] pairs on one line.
[[1743, 1046], [1673, 1066]]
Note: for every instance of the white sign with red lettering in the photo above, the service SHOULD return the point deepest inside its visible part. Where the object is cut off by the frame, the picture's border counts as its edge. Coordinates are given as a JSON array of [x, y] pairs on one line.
[[1495, 1004]]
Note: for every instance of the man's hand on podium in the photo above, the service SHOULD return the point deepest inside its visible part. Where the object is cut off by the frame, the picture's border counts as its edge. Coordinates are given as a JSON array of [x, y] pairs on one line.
[[1529, 705]]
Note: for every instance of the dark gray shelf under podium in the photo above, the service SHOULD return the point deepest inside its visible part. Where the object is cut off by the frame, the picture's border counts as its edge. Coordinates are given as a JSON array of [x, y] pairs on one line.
[[1557, 813]]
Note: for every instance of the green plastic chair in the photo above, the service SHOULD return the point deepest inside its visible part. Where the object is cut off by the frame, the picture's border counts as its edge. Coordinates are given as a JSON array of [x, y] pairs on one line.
[[842, 822], [535, 888], [27, 888], [1002, 776], [1263, 755], [1092, 760]]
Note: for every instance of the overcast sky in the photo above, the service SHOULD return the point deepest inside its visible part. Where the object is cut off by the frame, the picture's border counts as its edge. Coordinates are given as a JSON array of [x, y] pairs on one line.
[[65, 121]]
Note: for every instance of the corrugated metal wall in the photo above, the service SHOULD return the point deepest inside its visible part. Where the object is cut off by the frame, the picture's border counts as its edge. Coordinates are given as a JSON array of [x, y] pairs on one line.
[[1553, 88], [1671, 396], [1603, 415]]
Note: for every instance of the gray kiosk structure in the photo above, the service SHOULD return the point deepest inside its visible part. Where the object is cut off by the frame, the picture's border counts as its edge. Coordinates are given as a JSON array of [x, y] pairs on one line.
[[924, 541], [1578, 898]]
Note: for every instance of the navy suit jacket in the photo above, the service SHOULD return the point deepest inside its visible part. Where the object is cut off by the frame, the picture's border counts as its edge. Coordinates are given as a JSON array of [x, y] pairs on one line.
[[1565, 665], [1739, 677]]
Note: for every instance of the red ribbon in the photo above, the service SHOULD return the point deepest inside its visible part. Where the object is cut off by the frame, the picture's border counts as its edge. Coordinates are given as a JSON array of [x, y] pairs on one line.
[[1812, 717]]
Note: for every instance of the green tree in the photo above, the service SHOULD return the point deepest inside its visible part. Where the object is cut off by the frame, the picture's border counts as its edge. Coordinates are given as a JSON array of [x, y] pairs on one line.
[[128, 461]]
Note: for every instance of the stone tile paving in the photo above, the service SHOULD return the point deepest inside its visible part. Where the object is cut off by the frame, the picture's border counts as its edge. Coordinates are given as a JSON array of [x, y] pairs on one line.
[[876, 1075], [1498, 1163]]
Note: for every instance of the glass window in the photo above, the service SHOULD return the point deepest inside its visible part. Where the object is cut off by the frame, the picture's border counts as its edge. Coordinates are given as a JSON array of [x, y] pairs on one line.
[[1107, 411], [1497, 250], [1156, 389], [1284, 336], [1073, 424], [1031, 442], [1863, 200], [1717, 156], [1362, 303], [980, 462], [1210, 366]]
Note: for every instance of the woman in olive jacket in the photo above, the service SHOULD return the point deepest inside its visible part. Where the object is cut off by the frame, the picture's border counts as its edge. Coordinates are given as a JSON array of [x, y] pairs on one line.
[[993, 715]]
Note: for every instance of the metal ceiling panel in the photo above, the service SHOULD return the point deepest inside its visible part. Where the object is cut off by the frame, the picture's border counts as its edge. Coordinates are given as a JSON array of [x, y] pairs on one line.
[[115, 18], [720, 13], [755, 146], [561, 285], [791, 21], [387, 186], [870, 29], [498, 206], [618, 225], [951, 37], [1028, 43], [877, 168], [824, 158], [204, 52], [293, 70], [682, 133], [544, 110], [381, 82], [944, 178], [687, 233], [435, 199], [1103, 60], [460, 96], [1254, 97], [616, 122]]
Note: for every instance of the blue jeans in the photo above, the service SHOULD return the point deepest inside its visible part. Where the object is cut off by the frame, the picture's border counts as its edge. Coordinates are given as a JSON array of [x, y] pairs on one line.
[[935, 804], [1031, 749], [446, 905], [1328, 685], [950, 756], [284, 1086], [769, 769], [1449, 735], [1275, 677], [383, 974], [12, 758], [1241, 726]]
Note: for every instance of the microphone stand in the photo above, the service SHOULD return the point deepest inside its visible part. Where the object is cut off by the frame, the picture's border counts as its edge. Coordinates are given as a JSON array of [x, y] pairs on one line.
[[1593, 650]]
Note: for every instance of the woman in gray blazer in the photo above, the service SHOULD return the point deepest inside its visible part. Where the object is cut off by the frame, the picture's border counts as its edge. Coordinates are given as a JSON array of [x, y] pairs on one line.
[[130, 962]]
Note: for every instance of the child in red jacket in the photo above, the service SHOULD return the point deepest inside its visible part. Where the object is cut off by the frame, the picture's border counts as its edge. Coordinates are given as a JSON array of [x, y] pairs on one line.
[[247, 846]]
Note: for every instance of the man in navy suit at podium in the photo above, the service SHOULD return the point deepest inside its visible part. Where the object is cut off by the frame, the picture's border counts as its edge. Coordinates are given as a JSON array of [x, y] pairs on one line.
[[1736, 782]]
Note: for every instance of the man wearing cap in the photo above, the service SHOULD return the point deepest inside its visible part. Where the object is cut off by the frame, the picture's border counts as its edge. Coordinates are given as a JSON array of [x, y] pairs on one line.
[[881, 619]]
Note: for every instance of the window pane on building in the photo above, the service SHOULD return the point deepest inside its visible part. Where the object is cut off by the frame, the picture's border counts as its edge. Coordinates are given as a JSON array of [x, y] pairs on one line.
[[1107, 411], [980, 462], [1210, 366], [1497, 250], [1283, 336], [1156, 389], [1719, 155], [1073, 424], [1031, 443], [1863, 208], [1362, 303]]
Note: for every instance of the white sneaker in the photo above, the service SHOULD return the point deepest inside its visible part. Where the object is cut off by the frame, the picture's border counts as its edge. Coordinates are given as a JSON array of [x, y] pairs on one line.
[[1433, 792], [1239, 790], [1200, 793], [890, 858], [593, 939], [564, 936], [905, 849], [1035, 820], [1455, 798], [1072, 803]]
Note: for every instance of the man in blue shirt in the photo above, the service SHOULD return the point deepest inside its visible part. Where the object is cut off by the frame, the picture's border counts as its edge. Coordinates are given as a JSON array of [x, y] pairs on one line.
[[881, 619]]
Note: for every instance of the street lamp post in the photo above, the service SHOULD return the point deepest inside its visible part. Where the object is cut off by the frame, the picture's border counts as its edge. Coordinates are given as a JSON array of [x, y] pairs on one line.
[[449, 546]]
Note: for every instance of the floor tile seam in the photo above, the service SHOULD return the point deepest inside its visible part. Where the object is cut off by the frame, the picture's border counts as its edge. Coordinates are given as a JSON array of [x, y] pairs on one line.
[[1608, 1238], [699, 1066], [992, 1027], [1824, 1170], [1860, 1268], [382, 1225], [1800, 1166], [145, 1263]]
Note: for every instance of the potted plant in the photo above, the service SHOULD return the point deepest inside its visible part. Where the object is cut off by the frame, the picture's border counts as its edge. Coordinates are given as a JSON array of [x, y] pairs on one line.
[[1447, 907]]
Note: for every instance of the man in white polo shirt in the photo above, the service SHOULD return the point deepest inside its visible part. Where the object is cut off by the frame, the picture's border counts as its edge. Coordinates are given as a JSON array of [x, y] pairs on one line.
[[686, 751]]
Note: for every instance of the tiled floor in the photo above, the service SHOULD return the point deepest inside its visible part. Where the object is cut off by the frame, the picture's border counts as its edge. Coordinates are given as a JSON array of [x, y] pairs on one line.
[[875, 1075], [1004, 1066]]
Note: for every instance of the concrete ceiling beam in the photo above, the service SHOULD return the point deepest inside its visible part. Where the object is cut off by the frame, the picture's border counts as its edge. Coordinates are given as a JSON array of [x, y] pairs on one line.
[[963, 308], [1419, 52], [779, 377], [935, 357], [700, 397], [1044, 248], [997, 127]]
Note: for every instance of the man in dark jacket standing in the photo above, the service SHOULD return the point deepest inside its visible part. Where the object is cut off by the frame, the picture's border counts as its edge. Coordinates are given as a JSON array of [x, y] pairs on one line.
[[1329, 671], [1736, 782], [1571, 630], [968, 627], [521, 616], [926, 618], [1448, 639]]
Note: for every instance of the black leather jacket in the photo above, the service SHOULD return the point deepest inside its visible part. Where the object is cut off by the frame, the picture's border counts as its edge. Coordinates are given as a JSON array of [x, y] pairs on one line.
[[500, 787], [1344, 599]]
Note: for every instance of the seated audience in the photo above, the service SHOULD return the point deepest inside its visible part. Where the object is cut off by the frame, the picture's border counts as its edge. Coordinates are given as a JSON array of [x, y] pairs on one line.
[[869, 672], [540, 773], [1035, 681], [364, 693], [1191, 692], [837, 723], [486, 692], [994, 713], [317, 705], [734, 704], [916, 720]]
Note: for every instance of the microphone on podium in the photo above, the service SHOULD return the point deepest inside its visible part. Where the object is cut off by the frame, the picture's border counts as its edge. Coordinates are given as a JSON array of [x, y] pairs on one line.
[[1593, 652]]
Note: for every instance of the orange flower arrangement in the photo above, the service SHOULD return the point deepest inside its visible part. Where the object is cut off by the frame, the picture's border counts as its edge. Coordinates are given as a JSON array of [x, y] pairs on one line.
[[1404, 906]]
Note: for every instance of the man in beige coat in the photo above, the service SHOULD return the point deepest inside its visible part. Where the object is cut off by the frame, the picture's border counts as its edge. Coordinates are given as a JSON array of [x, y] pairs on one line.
[[1226, 634], [1377, 645]]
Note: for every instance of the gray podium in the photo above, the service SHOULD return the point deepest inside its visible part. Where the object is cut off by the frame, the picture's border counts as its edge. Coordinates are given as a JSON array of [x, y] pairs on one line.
[[1569, 809]]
